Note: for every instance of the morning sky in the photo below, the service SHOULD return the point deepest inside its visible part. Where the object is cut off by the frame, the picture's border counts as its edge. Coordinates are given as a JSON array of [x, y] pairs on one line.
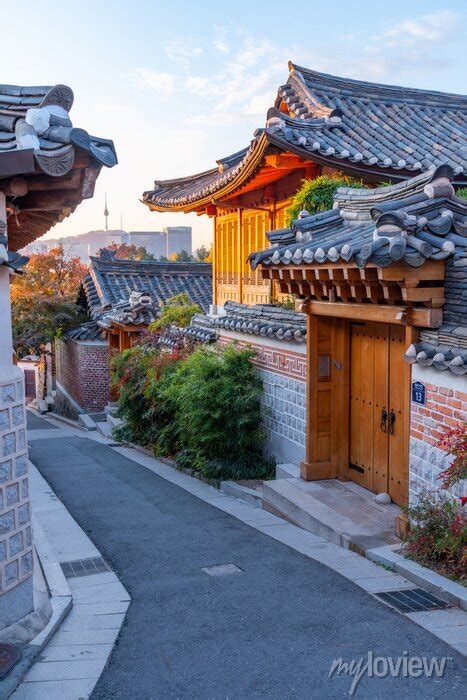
[[178, 84]]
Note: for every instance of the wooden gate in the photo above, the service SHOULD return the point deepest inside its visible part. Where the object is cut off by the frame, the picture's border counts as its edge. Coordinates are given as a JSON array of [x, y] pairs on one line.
[[377, 409], [30, 384]]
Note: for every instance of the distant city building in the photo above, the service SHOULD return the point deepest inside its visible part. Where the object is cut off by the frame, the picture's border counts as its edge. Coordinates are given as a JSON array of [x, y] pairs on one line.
[[153, 241], [173, 239], [178, 238]]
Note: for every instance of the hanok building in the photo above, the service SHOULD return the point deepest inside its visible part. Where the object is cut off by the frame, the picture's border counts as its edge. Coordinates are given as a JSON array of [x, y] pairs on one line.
[[322, 124], [47, 167], [121, 298]]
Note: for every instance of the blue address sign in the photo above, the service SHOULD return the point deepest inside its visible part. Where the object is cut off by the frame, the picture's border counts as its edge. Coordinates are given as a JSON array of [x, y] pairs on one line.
[[419, 393]]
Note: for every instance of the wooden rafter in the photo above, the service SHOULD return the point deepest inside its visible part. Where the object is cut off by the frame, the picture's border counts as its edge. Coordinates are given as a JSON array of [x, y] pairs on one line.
[[395, 285]]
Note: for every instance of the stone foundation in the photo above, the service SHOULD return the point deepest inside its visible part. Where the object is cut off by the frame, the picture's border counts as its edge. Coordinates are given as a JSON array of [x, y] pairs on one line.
[[16, 560]]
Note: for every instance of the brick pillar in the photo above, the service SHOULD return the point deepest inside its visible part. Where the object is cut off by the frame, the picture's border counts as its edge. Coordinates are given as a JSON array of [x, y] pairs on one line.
[[16, 561]]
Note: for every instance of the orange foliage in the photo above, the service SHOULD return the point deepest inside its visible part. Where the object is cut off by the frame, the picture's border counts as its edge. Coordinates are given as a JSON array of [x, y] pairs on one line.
[[49, 275]]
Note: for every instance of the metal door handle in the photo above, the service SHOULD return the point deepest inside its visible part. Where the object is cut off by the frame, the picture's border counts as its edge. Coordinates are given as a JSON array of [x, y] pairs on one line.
[[383, 419], [392, 420]]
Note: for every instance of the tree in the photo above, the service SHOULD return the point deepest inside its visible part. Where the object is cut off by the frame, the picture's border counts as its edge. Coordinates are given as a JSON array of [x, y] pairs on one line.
[[43, 300], [127, 251], [318, 194], [182, 256], [49, 275], [203, 253]]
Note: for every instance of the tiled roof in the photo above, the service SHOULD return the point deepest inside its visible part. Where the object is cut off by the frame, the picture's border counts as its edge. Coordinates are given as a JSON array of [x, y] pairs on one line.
[[37, 117], [108, 285], [412, 221], [47, 166], [266, 320], [125, 313], [201, 329], [87, 331], [351, 125], [444, 348]]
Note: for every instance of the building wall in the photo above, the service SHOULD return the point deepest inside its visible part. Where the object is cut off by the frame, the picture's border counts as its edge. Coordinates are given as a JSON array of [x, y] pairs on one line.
[[153, 241], [178, 238], [16, 559], [446, 407], [282, 368], [83, 371]]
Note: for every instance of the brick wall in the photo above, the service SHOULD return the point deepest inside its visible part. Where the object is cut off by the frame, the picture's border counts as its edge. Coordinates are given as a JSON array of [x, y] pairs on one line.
[[446, 407], [83, 371]]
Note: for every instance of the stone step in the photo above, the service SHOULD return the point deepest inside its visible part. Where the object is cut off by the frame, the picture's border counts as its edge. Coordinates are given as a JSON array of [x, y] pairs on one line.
[[114, 421], [359, 529], [85, 421], [287, 471], [242, 492], [104, 429]]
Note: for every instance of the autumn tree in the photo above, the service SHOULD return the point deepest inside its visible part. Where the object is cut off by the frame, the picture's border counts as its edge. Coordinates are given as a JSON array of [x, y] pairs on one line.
[[50, 275], [44, 300], [128, 251], [182, 256]]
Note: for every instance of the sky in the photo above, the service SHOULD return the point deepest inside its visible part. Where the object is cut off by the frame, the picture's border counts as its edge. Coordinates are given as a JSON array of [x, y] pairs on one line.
[[179, 84]]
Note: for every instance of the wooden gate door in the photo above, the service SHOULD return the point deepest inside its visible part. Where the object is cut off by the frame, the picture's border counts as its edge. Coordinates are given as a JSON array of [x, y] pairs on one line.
[[29, 384], [376, 459]]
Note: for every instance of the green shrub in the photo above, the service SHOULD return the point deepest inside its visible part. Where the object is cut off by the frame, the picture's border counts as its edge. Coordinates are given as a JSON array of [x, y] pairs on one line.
[[318, 195], [216, 397], [177, 311], [462, 192], [204, 407], [137, 375]]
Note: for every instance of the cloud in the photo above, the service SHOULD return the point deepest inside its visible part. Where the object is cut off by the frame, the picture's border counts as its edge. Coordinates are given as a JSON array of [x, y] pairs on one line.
[[183, 51], [433, 27], [162, 82], [408, 46]]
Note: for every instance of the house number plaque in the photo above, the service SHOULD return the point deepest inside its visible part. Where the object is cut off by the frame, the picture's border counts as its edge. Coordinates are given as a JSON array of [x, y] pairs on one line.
[[418, 393]]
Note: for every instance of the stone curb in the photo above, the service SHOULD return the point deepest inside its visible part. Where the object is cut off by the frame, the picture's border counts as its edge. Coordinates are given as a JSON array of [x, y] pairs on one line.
[[61, 601], [450, 591]]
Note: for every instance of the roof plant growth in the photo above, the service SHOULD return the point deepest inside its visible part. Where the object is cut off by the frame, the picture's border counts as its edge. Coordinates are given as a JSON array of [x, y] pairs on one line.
[[317, 195]]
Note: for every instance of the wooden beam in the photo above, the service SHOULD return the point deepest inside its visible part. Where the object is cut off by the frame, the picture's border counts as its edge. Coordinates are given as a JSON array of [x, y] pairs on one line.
[[401, 315], [284, 161]]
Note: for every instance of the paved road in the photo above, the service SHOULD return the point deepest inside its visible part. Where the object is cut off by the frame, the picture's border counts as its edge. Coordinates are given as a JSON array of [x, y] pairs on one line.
[[269, 632]]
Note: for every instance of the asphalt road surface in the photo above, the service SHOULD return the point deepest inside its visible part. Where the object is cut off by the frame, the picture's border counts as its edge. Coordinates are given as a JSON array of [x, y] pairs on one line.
[[269, 631]]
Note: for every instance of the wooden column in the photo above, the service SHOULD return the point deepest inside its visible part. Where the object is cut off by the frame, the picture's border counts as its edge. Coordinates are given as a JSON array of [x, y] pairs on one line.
[[318, 463], [240, 254], [214, 262]]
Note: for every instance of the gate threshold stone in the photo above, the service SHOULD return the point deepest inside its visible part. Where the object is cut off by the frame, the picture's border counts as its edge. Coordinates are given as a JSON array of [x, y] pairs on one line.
[[343, 513]]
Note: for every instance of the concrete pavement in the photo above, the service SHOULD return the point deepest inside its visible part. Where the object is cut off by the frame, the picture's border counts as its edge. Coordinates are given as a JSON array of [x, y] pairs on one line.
[[270, 630]]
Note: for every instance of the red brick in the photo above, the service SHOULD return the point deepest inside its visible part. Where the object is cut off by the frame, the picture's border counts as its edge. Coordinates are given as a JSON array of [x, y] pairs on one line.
[[438, 416], [461, 395], [446, 410], [431, 387], [451, 422], [446, 392]]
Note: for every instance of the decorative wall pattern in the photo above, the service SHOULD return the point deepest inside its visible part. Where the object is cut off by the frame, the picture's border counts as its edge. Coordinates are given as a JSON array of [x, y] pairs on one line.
[[284, 362]]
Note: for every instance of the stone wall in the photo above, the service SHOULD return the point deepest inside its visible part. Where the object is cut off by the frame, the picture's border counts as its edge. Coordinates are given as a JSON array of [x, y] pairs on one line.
[[446, 407], [83, 371], [16, 560], [284, 416]]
